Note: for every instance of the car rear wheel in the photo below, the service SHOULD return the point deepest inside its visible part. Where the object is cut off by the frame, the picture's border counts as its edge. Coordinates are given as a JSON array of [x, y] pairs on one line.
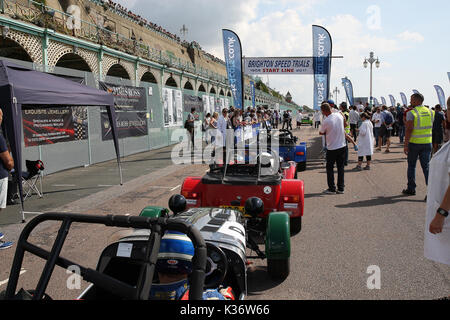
[[301, 166], [278, 269], [295, 226]]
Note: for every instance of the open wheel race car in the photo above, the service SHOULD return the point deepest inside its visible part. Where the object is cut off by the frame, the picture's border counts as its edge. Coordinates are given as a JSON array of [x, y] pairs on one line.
[[290, 151], [231, 184], [126, 268]]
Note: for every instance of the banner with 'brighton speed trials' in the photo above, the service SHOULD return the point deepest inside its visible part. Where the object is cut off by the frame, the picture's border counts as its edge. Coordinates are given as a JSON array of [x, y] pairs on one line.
[[274, 66]]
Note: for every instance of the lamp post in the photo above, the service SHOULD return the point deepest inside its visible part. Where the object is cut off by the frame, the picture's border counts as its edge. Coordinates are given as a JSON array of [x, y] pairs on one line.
[[366, 63], [336, 92]]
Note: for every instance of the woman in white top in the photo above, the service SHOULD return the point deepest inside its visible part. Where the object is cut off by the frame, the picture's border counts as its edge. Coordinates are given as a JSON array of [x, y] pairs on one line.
[[206, 127], [213, 125], [365, 142]]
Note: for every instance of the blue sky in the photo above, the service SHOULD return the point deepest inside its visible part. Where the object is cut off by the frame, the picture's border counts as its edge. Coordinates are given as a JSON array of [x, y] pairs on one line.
[[411, 38]]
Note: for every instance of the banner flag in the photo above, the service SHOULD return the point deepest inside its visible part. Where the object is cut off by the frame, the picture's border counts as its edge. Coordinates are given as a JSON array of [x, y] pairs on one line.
[[392, 100], [415, 91], [376, 102], [348, 90], [322, 53], [233, 61], [441, 96], [252, 87], [404, 99], [383, 101], [448, 74]]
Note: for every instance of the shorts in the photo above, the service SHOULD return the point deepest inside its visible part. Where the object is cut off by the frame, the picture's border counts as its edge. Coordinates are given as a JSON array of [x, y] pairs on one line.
[[3, 192], [438, 137], [384, 132], [299, 124]]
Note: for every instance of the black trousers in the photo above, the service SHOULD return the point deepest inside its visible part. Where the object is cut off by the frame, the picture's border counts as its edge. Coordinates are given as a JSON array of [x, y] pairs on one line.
[[338, 157]]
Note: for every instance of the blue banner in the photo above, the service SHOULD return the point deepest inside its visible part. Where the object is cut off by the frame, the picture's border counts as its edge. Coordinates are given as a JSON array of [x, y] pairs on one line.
[[441, 96], [376, 102], [233, 61], [448, 74], [252, 86], [392, 100], [322, 50], [348, 90], [404, 99], [415, 91], [383, 101]]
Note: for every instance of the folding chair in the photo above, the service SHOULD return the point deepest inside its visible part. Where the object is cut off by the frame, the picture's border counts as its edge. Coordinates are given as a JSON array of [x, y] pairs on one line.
[[31, 177]]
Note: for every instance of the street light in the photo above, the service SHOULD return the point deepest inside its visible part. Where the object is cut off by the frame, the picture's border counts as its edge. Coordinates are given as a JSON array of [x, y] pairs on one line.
[[366, 63], [336, 92]]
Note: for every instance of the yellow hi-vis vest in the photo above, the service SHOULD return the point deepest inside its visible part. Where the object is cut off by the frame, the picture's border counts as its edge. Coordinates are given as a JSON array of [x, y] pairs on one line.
[[423, 125], [346, 116]]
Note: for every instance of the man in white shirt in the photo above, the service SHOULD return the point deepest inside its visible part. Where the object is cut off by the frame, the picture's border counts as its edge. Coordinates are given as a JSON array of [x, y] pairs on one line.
[[354, 119], [333, 130], [222, 127], [360, 107], [376, 119], [316, 119]]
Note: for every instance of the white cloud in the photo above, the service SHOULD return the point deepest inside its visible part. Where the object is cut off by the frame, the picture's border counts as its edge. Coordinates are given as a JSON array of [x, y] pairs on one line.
[[411, 36]]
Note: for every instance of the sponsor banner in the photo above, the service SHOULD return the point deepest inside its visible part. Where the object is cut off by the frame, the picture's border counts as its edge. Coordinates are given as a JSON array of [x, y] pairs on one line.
[[376, 102], [348, 90], [322, 52], [261, 66], [42, 126], [404, 99], [441, 96], [233, 61], [129, 124], [127, 98], [383, 101], [173, 107], [190, 102], [392, 100], [415, 91], [448, 74]]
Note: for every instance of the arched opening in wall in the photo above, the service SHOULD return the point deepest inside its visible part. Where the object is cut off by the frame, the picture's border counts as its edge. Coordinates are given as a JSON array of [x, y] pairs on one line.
[[221, 92], [73, 61], [148, 77], [229, 94], [171, 83], [188, 86], [13, 50], [118, 71], [212, 91], [201, 88]]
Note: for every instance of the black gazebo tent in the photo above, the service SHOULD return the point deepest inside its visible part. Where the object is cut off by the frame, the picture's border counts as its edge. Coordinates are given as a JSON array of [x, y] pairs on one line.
[[21, 86]]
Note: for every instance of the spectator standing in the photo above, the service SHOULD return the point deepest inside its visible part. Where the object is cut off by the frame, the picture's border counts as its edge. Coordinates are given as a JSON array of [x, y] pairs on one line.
[[437, 228], [438, 128], [365, 142], [387, 120], [401, 124], [316, 119], [205, 127], [418, 140], [360, 107], [190, 127], [376, 120], [6, 165], [299, 120], [212, 126], [333, 130], [354, 119]]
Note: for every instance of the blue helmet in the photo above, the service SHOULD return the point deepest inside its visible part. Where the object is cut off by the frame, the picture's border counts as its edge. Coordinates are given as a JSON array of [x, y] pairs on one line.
[[175, 254]]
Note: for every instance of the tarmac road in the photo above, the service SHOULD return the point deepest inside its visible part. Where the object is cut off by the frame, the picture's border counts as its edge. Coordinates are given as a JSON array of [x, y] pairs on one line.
[[372, 224]]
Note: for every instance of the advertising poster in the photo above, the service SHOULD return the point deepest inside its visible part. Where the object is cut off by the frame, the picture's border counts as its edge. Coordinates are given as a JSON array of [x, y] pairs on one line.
[[129, 124], [190, 102], [43, 126]]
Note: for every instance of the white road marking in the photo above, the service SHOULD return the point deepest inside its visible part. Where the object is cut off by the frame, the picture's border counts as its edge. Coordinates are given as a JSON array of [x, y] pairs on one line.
[[6, 281], [175, 187], [105, 185]]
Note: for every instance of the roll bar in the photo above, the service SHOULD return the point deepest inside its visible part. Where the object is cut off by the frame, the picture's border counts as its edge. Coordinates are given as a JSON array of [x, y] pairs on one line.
[[158, 226]]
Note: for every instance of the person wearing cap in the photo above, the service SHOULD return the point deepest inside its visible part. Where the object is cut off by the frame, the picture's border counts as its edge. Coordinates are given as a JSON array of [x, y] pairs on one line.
[[174, 265], [418, 140]]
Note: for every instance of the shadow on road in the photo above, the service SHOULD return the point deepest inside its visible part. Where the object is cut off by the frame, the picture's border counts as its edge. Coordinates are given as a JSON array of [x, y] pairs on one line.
[[379, 201], [259, 281]]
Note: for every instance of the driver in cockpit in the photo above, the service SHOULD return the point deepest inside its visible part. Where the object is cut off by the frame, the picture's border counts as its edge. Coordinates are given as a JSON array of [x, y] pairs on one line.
[[174, 264]]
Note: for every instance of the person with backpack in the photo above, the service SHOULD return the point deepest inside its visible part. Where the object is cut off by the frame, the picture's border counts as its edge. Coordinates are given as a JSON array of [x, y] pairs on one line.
[[387, 121]]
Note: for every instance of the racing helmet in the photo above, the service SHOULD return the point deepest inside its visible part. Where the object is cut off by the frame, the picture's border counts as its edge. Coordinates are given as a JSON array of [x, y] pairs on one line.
[[175, 254]]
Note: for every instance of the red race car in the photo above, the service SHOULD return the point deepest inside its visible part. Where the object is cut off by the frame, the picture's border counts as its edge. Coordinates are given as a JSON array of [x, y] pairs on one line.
[[230, 185]]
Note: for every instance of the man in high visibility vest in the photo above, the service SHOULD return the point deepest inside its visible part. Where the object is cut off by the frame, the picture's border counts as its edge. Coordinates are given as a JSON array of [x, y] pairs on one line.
[[418, 140]]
